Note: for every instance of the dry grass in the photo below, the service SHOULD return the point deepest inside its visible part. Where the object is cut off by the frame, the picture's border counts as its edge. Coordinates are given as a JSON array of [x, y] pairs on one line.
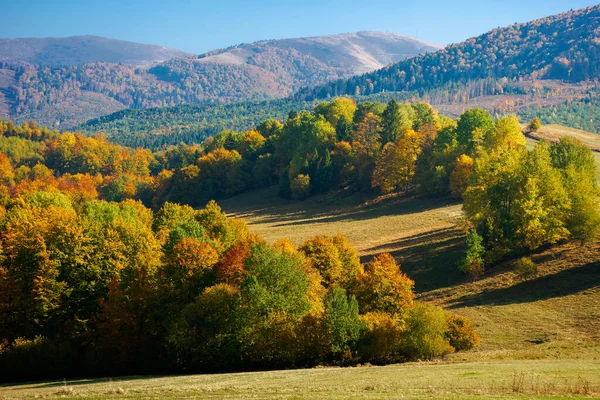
[[473, 380], [553, 133]]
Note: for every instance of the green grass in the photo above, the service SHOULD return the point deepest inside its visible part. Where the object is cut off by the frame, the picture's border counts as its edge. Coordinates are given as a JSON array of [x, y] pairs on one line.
[[474, 380]]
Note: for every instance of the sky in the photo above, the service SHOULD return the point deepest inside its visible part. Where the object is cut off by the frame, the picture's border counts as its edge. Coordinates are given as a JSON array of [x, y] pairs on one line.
[[197, 26]]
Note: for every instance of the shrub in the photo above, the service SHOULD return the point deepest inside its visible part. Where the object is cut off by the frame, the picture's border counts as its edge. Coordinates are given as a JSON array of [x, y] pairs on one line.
[[535, 124], [300, 187], [473, 261], [425, 335], [382, 338], [525, 267], [460, 334]]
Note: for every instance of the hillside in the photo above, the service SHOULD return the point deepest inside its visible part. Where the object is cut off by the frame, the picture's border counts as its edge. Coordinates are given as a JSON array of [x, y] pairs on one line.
[[539, 336], [66, 95], [155, 127], [562, 47], [78, 50], [581, 113]]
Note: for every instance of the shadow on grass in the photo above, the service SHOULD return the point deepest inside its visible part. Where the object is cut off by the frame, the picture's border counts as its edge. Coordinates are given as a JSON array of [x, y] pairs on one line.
[[329, 208], [563, 283], [82, 381], [430, 259]]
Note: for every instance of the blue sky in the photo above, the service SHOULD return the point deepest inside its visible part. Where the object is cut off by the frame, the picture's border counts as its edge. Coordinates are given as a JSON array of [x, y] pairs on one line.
[[198, 26]]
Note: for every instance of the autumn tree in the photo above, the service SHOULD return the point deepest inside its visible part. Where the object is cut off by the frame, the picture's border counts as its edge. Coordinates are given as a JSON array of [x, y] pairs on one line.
[[383, 287], [395, 167]]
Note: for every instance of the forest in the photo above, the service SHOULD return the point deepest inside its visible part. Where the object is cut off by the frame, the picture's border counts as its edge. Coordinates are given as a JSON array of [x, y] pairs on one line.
[[563, 47], [157, 128], [100, 242]]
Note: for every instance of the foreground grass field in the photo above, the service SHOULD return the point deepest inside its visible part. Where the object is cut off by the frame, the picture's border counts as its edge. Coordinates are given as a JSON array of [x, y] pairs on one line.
[[475, 380]]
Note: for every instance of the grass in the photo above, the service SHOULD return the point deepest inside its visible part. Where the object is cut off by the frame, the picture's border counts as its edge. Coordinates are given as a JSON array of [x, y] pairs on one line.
[[473, 380]]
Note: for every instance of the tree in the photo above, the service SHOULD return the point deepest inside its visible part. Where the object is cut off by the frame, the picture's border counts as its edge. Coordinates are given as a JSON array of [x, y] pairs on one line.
[[473, 263], [340, 107], [506, 133], [366, 145], [535, 124], [382, 287], [341, 320], [387, 175], [576, 164], [459, 178], [473, 126], [394, 120], [396, 166]]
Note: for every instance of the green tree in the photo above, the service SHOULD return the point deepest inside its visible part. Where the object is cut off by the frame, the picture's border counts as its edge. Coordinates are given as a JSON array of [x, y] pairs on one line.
[[473, 126], [341, 320]]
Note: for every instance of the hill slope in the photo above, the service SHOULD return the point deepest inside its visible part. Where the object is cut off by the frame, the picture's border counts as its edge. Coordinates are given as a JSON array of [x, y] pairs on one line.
[[68, 95], [78, 50], [564, 46]]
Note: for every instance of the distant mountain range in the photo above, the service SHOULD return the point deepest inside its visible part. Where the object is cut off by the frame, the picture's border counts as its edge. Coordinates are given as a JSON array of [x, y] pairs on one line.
[[78, 50], [63, 82]]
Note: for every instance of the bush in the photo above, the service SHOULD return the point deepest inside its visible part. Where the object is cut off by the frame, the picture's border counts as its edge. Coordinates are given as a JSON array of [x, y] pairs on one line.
[[382, 338], [300, 187], [425, 335], [460, 334], [473, 264], [525, 267], [535, 124]]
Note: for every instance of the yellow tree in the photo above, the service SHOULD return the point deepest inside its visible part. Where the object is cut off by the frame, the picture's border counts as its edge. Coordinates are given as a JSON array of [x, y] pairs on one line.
[[459, 178], [396, 166], [383, 287]]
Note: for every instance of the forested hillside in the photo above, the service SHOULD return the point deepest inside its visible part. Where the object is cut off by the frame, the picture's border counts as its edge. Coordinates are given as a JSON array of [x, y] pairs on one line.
[[563, 47], [64, 95], [157, 127], [579, 113]]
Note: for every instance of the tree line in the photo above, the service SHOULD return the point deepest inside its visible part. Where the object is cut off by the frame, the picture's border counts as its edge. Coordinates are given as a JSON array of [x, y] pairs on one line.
[[340, 145]]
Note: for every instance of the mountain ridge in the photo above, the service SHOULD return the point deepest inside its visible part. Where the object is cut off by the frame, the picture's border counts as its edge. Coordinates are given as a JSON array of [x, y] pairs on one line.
[[83, 49], [66, 96]]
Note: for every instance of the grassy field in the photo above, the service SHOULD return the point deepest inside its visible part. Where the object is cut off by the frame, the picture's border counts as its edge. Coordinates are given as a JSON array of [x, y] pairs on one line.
[[540, 337], [474, 380]]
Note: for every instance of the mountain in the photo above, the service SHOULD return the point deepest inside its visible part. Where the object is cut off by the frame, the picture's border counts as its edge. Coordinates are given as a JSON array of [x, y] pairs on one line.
[[550, 64], [78, 50], [354, 53], [64, 96], [564, 46]]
